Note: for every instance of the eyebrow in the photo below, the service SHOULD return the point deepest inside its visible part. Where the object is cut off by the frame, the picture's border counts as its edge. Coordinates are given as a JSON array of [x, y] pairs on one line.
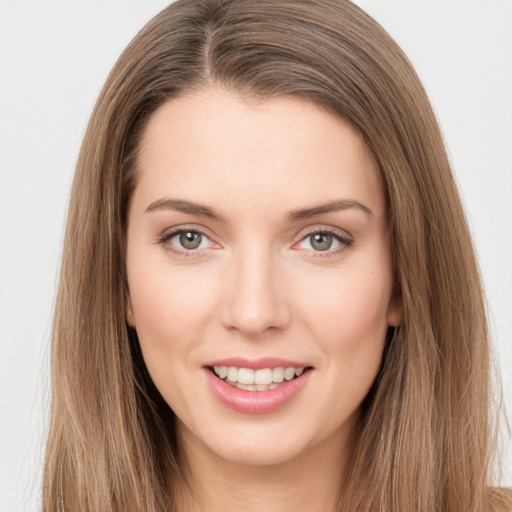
[[184, 206], [332, 206], [200, 210]]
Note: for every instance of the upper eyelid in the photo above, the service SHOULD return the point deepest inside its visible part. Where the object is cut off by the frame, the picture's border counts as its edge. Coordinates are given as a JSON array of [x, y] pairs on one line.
[[342, 233], [204, 231], [173, 231]]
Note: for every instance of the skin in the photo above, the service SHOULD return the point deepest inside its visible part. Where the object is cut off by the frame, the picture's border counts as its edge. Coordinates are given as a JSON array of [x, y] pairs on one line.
[[258, 286]]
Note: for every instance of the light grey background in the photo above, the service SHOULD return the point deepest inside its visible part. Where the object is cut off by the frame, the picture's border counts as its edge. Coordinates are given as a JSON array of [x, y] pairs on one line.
[[54, 58]]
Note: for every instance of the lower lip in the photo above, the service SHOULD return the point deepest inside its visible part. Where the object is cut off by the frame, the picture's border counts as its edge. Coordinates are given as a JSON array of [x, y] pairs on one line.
[[256, 402]]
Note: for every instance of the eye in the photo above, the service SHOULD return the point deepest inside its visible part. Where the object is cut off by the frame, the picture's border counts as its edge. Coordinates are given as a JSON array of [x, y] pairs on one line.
[[185, 241], [328, 241], [321, 241], [189, 240]]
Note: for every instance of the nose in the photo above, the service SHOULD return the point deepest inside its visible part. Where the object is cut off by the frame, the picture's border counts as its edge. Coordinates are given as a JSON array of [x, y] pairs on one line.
[[255, 296]]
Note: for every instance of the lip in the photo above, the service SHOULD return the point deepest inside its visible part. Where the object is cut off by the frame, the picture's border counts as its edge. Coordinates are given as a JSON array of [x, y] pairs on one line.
[[255, 402], [257, 364]]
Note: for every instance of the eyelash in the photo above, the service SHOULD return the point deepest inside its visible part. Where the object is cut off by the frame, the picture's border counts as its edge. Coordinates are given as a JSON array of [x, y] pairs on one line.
[[342, 238], [165, 239]]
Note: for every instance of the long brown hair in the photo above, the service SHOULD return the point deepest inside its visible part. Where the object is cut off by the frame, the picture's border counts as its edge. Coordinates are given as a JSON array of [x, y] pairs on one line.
[[427, 433]]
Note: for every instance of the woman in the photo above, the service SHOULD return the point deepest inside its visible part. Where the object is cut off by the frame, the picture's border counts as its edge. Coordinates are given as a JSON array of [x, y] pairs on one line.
[[268, 297]]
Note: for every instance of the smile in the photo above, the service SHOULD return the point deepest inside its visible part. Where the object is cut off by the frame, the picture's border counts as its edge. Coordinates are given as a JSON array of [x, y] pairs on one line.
[[257, 386], [256, 380]]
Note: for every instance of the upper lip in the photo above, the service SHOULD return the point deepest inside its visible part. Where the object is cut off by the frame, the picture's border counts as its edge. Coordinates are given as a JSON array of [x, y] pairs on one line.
[[257, 364]]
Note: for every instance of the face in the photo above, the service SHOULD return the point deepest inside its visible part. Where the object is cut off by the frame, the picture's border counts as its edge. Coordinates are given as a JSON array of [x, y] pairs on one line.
[[259, 271]]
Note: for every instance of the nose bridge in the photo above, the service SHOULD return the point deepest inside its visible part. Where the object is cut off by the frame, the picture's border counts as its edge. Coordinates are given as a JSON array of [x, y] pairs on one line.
[[256, 299]]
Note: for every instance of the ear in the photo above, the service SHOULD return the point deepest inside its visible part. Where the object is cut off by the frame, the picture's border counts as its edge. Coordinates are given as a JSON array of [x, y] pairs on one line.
[[395, 311], [130, 317]]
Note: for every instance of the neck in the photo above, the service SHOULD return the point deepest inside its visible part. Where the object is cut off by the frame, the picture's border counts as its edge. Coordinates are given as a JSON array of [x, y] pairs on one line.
[[310, 482]]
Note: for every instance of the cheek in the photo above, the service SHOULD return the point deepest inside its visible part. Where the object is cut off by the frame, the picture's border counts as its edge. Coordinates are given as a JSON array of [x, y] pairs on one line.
[[349, 306], [347, 318], [171, 308], [349, 326]]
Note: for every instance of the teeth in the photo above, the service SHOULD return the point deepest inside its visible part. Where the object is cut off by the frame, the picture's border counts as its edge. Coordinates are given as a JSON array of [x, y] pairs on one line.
[[263, 376], [232, 374], [289, 373], [245, 376], [255, 387], [278, 374], [256, 380]]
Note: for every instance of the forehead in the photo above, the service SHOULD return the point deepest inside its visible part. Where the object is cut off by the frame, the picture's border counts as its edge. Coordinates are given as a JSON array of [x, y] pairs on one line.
[[218, 146]]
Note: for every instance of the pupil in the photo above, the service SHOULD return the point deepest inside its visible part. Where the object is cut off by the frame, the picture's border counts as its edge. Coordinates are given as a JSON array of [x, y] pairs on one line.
[[190, 240], [321, 242]]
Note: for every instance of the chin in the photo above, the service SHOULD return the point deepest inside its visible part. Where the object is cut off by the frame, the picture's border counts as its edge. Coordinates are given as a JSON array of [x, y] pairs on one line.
[[254, 454], [246, 444]]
